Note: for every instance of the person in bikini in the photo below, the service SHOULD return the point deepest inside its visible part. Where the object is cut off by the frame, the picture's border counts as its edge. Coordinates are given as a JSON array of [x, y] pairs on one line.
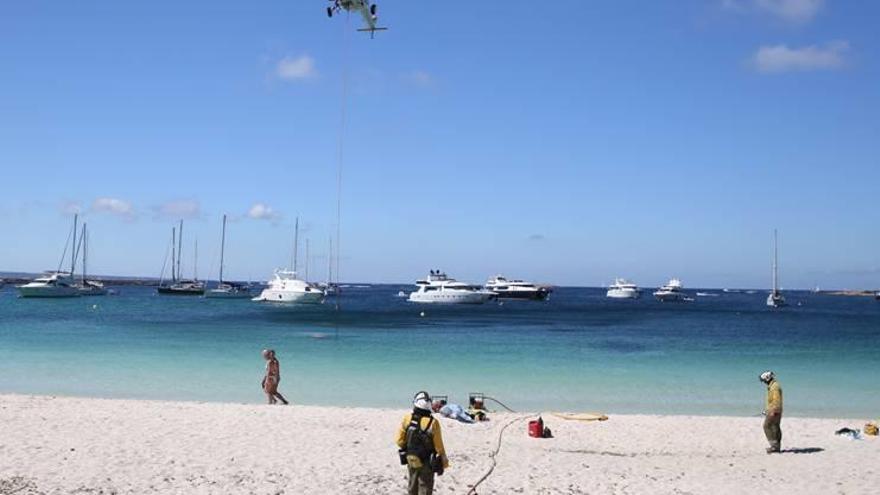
[[273, 376]]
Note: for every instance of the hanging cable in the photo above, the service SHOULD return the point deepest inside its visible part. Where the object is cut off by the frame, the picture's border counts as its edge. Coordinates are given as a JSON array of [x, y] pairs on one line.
[[341, 154]]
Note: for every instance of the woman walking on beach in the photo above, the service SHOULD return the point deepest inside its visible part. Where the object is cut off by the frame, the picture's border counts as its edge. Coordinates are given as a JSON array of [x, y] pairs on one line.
[[273, 376]]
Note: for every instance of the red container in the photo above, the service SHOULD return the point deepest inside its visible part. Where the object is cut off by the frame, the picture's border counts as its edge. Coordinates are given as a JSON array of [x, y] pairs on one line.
[[536, 428]]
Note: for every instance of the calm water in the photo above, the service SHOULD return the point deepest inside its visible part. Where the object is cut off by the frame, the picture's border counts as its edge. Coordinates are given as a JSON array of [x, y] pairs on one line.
[[579, 351]]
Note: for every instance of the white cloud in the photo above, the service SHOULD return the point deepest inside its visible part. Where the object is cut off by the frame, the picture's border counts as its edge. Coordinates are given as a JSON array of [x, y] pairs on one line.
[[70, 208], [296, 68], [781, 58], [181, 208], [262, 211], [114, 206], [419, 78], [794, 11]]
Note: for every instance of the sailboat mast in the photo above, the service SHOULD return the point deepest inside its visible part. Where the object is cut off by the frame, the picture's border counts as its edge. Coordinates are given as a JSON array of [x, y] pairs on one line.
[[775, 262], [222, 248], [173, 253], [307, 260], [179, 247], [330, 262], [196, 261], [85, 247], [73, 252], [295, 245]]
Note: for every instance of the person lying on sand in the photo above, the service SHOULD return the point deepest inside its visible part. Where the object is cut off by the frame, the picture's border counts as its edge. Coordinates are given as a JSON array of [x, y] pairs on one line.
[[451, 411], [272, 377]]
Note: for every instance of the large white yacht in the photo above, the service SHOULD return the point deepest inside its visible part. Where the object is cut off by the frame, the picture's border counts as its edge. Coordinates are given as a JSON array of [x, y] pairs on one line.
[[623, 289], [50, 284], [505, 288], [439, 288], [286, 287], [775, 299], [671, 292]]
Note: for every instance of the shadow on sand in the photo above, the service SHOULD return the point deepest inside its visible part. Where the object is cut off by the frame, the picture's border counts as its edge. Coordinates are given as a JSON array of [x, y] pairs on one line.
[[808, 450]]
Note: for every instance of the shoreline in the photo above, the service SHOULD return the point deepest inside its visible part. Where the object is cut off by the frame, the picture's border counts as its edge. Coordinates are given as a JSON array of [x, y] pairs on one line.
[[65, 444]]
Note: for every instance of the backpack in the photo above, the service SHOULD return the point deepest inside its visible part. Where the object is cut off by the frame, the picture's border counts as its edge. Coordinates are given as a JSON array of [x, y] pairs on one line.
[[420, 442]]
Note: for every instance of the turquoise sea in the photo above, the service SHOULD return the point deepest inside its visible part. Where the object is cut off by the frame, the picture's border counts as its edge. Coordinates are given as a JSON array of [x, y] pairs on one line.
[[578, 351]]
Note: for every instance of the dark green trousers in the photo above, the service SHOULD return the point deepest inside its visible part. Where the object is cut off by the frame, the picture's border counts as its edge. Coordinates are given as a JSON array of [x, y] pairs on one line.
[[773, 430], [421, 481]]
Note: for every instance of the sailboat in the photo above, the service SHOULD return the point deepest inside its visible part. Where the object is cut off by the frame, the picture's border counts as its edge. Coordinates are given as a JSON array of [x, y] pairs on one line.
[[227, 290], [85, 286], [287, 287], [330, 289], [775, 299], [55, 283], [179, 286]]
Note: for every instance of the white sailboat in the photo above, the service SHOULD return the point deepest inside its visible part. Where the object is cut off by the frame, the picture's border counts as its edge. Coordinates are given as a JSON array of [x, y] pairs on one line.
[[85, 286], [179, 286], [227, 290], [775, 299], [287, 287], [56, 283]]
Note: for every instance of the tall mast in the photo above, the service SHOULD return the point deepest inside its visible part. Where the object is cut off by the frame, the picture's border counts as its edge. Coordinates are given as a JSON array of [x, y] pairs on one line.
[[173, 253], [196, 261], [330, 262], [85, 247], [775, 263], [222, 247], [295, 244], [307, 260], [73, 252], [179, 247]]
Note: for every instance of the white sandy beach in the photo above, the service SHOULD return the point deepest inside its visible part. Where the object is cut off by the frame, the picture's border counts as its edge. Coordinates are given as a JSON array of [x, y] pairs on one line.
[[72, 445]]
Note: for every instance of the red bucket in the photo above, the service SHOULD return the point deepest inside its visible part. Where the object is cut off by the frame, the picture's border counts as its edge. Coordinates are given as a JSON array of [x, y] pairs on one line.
[[536, 428]]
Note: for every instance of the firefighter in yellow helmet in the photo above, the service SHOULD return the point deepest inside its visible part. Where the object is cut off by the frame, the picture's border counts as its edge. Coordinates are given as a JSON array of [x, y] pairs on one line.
[[773, 412], [420, 444]]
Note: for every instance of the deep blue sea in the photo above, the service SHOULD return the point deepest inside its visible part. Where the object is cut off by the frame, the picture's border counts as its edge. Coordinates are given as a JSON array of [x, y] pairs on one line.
[[578, 351]]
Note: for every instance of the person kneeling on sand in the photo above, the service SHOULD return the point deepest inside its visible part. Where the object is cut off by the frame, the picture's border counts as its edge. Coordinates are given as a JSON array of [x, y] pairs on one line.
[[420, 444], [451, 411], [272, 377], [773, 412]]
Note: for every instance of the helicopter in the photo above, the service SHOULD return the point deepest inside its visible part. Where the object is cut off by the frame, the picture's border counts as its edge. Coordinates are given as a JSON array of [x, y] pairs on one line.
[[366, 9]]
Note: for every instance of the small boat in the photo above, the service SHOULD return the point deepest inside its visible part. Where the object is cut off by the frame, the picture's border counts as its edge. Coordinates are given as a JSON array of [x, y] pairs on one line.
[[623, 289], [438, 288], [56, 283], [85, 286], [671, 292], [706, 294], [179, 286], [504, 288], [287, 287], [775, 299], [50, 284], [227, 290]]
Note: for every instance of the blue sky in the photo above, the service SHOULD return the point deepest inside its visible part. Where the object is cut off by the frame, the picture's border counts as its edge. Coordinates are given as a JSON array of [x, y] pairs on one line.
[[566, 142]]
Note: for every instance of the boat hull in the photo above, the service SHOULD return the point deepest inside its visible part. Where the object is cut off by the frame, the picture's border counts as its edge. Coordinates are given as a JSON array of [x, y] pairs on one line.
[[669, 297], [775, 300], [623, 294], [447, 297], [174, 291], [48, 292], [290, 297], [527, 295]]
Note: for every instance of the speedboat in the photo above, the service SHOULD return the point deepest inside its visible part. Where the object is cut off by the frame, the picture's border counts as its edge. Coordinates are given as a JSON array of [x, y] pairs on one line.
[[671, 292], [286, 287], [51, 284], [183, 288], [623, 289], [439, 288], [516, 289], [229, 290]]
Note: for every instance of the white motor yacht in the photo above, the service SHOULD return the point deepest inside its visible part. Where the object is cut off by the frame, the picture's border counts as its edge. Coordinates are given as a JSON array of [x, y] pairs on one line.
[[51, 284], [671, 292], [623, 289], [286, 287], [504, 288], [775, 299], [439, 288]]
